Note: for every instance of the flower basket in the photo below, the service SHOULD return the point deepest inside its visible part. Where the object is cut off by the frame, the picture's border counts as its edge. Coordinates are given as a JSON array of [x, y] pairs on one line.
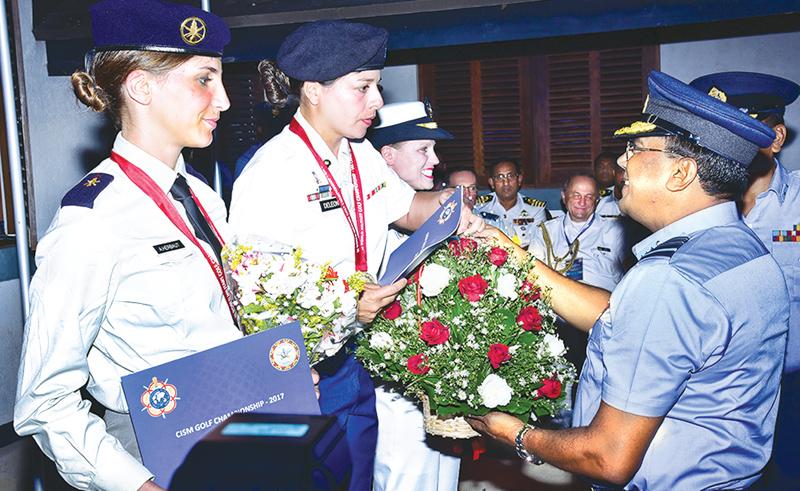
[[450, 427], [472, 333]]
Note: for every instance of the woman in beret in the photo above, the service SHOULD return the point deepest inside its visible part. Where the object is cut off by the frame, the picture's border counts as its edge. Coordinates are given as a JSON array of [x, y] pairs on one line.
[[122, 285], [319, 186]]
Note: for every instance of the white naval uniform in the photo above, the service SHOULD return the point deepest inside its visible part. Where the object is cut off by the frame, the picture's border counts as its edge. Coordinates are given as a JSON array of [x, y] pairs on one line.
[[608, 207], [275, 198], [601, 247], [403, 459], [520, 221], [102, 288]]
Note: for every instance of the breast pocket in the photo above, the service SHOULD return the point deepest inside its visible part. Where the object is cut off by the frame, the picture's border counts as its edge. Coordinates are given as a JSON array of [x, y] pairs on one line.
[[153, 289], [787, 254]]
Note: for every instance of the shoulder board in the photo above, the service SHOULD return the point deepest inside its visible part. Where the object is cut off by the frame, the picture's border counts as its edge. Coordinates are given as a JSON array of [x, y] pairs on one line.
[[667, 248], [483, 199], [488, 216], [85, 192], [534, 202]]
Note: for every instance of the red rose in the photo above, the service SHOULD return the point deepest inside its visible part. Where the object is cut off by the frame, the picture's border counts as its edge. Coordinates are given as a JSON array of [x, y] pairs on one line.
[[498, 353], [455, 247], [551, 388], [529, 292], [434, 332], [472, 287], [393, 311], [498, 256], [417, 364], [529, 319], [467, 245]]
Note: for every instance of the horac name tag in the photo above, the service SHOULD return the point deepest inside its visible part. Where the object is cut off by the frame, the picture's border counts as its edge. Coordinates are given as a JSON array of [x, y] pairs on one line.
[[329, 204]]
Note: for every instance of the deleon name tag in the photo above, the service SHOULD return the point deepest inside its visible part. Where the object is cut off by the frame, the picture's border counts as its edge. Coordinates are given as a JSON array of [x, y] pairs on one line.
[[329, 204], [168, 246]]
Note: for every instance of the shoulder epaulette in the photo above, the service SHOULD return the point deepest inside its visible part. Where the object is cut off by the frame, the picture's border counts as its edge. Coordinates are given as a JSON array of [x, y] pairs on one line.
[[85, 192], [534, 202], [483, 199], [667, 248]]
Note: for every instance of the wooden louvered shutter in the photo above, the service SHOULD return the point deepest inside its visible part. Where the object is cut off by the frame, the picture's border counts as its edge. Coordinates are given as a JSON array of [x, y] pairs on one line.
[[502, 118], [449, 88]]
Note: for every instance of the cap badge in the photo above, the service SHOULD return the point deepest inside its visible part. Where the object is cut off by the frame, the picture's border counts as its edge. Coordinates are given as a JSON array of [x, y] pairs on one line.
[[718, 94], [193, 30], [428, 108]]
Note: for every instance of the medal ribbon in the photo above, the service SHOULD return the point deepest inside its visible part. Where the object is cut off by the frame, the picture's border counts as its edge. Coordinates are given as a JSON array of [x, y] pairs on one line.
[[159, 197], [358, 228]]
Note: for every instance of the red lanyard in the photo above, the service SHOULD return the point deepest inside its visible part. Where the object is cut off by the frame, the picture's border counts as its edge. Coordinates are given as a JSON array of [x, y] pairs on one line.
[[358, 228], [159, 197]]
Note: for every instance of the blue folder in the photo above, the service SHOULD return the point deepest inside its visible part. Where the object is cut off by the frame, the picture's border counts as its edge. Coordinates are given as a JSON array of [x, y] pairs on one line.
[[176, 404], [441, 225]]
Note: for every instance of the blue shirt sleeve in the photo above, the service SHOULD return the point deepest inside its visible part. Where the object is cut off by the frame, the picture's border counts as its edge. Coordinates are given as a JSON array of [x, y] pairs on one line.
[[664, 329]]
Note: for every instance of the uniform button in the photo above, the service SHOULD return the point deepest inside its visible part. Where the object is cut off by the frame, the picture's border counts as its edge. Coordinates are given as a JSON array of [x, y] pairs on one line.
[[327, 162]]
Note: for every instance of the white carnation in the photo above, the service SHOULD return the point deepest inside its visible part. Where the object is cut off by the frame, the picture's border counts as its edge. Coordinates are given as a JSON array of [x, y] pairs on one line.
[[495, 391], [507, 286], [554, 345], [434, 279], [381, 340]]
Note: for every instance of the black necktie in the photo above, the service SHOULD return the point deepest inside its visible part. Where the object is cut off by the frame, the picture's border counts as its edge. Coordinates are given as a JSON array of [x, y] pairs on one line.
[[202, 230]]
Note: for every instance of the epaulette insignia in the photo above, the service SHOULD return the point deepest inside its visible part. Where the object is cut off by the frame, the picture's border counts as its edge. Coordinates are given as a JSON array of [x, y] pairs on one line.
[[667, 248], [604, 192], [85, 192], [534, 202], [488, 216], [483, 199]]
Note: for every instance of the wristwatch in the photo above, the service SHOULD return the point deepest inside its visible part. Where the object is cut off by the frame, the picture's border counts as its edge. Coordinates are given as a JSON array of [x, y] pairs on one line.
[[519, 446]]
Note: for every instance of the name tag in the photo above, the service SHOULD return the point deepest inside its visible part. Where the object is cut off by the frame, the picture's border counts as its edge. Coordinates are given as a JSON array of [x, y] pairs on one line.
[[329, 204], [168, 246], [576, 271]]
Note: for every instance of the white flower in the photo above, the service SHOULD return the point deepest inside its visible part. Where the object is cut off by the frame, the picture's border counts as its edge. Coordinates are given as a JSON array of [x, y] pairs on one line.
[[381, 340], [554, 345], [495, 391], [507, 286], [434, 279]]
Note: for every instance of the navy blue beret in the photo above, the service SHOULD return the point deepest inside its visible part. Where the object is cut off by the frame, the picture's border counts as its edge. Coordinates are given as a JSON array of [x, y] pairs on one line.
[[757, 94], [153, 25], [405, 121], [327, 49], [674, 108]]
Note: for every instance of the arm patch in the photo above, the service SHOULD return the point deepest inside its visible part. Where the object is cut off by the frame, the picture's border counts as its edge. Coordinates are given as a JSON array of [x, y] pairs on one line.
[[85, 192]]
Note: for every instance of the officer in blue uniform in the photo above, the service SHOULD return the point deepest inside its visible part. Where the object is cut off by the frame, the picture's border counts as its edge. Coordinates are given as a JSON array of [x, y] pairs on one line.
[[771, 207], [681, 382]]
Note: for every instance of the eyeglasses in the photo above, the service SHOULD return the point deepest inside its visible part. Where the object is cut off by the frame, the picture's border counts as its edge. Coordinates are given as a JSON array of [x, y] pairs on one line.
[[631, 149], [505, 177], [472, 188]]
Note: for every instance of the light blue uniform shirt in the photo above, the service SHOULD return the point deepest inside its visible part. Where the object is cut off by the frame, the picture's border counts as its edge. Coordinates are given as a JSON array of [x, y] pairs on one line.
[[697, 338], [776, 214]]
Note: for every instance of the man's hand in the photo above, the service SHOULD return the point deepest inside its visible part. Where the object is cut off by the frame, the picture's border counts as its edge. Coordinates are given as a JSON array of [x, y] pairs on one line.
[[495, 236], [500, 426], [375, 297], [151, 486], [470, 223]]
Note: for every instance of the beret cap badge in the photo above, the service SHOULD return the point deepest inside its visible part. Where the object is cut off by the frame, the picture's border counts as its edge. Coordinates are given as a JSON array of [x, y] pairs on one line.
[[718, 94], [193, 30]]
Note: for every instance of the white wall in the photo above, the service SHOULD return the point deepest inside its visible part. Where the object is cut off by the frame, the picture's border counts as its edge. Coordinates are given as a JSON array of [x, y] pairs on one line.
[[400, 83], [776, 54]]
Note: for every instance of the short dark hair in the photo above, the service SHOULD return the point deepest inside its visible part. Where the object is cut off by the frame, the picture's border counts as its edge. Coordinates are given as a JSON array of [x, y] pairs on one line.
[[462, 168], [719, 176], [773, 120], [495, 163], [606, 156]]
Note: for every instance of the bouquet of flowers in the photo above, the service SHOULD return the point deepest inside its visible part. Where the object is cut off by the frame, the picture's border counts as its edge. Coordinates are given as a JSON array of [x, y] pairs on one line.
[[472, 333], [272, 289]]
